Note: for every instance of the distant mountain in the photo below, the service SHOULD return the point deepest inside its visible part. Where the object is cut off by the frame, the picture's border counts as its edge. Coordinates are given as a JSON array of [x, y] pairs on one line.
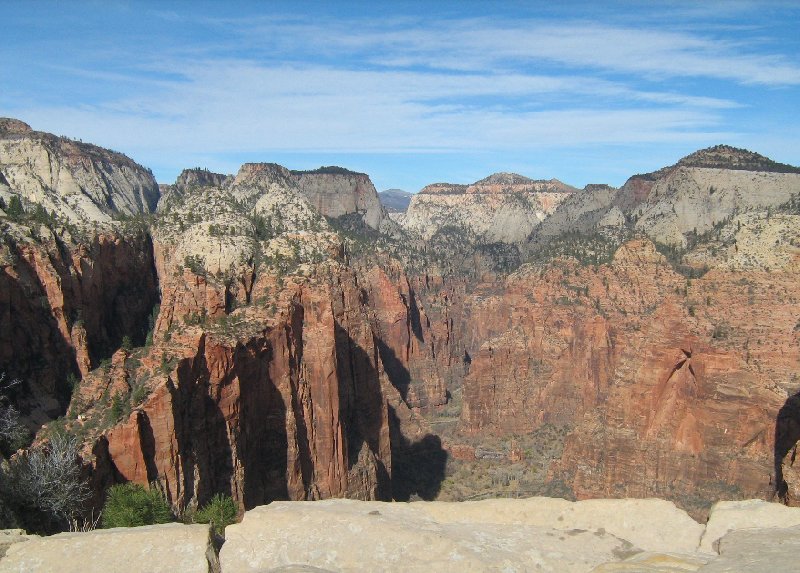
[[395, 200], [501, 208]]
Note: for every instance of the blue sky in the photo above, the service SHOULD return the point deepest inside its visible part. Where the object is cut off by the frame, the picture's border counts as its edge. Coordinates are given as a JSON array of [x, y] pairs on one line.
[[410, 92]]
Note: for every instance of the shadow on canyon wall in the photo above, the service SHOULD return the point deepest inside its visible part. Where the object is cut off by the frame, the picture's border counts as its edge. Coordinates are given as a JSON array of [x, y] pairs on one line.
[[361, 401], [32, 347], [200, 431], [418, 468], [787, 433]]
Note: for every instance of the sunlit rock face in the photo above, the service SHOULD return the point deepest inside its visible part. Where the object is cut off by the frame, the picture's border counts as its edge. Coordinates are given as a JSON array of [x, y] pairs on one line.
[[80, 182], [503, 207]]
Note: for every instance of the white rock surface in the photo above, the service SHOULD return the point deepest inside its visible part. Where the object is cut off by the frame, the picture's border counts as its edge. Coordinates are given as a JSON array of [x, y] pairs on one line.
[[503, 207], [171, 548], [215, 224], [581, 212], [82, 183], [337, 194], [8, 537], [536, 534], [649, 524], [769, 550], [695, 198], [346, 535], [728, 516]]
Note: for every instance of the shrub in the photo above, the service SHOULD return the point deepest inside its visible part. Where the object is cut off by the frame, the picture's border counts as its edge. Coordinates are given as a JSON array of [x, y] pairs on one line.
[[13, 433], [131, 505], [139, 394], [15, 210], [46, 484], [120, 407], [219, 512]]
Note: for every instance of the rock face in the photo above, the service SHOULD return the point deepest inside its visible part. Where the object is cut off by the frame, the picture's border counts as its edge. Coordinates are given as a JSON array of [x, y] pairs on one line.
[[297, 412], [757, 551], [80, 182], [65, 308], [651, 374], [585, 211], [694, 199], [504, 207], [536, 534], [155, 548], [335, 192], [397, 537], [272, 382], [727, 516]]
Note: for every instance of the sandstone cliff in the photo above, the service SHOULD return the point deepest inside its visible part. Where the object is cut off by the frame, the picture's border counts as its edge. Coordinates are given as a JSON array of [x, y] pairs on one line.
[[74, 282], [79, 182], [503, 207], [335, 192]]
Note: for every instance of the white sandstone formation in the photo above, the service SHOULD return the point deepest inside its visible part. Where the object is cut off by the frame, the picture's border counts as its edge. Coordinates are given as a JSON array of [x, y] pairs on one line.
[[81, 183]]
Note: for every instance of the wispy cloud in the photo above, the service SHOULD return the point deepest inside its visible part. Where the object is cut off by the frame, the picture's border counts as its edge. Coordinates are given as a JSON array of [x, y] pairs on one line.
[[214, 86], [242, 105], [480, 44]]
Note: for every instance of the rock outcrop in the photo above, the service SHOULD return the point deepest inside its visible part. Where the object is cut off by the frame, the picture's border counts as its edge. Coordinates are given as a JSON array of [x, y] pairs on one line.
[[66, 308], [658, 377], [156, 548], [599, 536], [77, 181], [503, 207], [399, 537], [297, 411], [498, 535], [335, 192]]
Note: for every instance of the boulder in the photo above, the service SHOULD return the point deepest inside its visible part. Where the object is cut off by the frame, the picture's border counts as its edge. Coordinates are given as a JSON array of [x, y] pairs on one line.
[[729, 516], [169, 548]]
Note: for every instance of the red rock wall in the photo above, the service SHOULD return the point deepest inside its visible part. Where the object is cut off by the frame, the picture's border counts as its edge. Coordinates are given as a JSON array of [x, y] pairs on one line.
[[297, 412], [64, 308], [672, 386]]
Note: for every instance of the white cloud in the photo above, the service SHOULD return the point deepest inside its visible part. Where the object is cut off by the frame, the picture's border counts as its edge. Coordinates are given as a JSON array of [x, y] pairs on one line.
[[226, 105], [481, 44]]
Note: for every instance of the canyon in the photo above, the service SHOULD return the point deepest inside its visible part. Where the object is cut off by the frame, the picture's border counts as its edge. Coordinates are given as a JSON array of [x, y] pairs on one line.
[[276, 335]]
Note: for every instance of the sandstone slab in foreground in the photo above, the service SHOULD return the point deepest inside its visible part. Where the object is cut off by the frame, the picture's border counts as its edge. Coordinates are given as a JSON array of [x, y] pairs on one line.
[[171, 548], [649, 524], [493, 535], [727, 516], [771, 550]]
